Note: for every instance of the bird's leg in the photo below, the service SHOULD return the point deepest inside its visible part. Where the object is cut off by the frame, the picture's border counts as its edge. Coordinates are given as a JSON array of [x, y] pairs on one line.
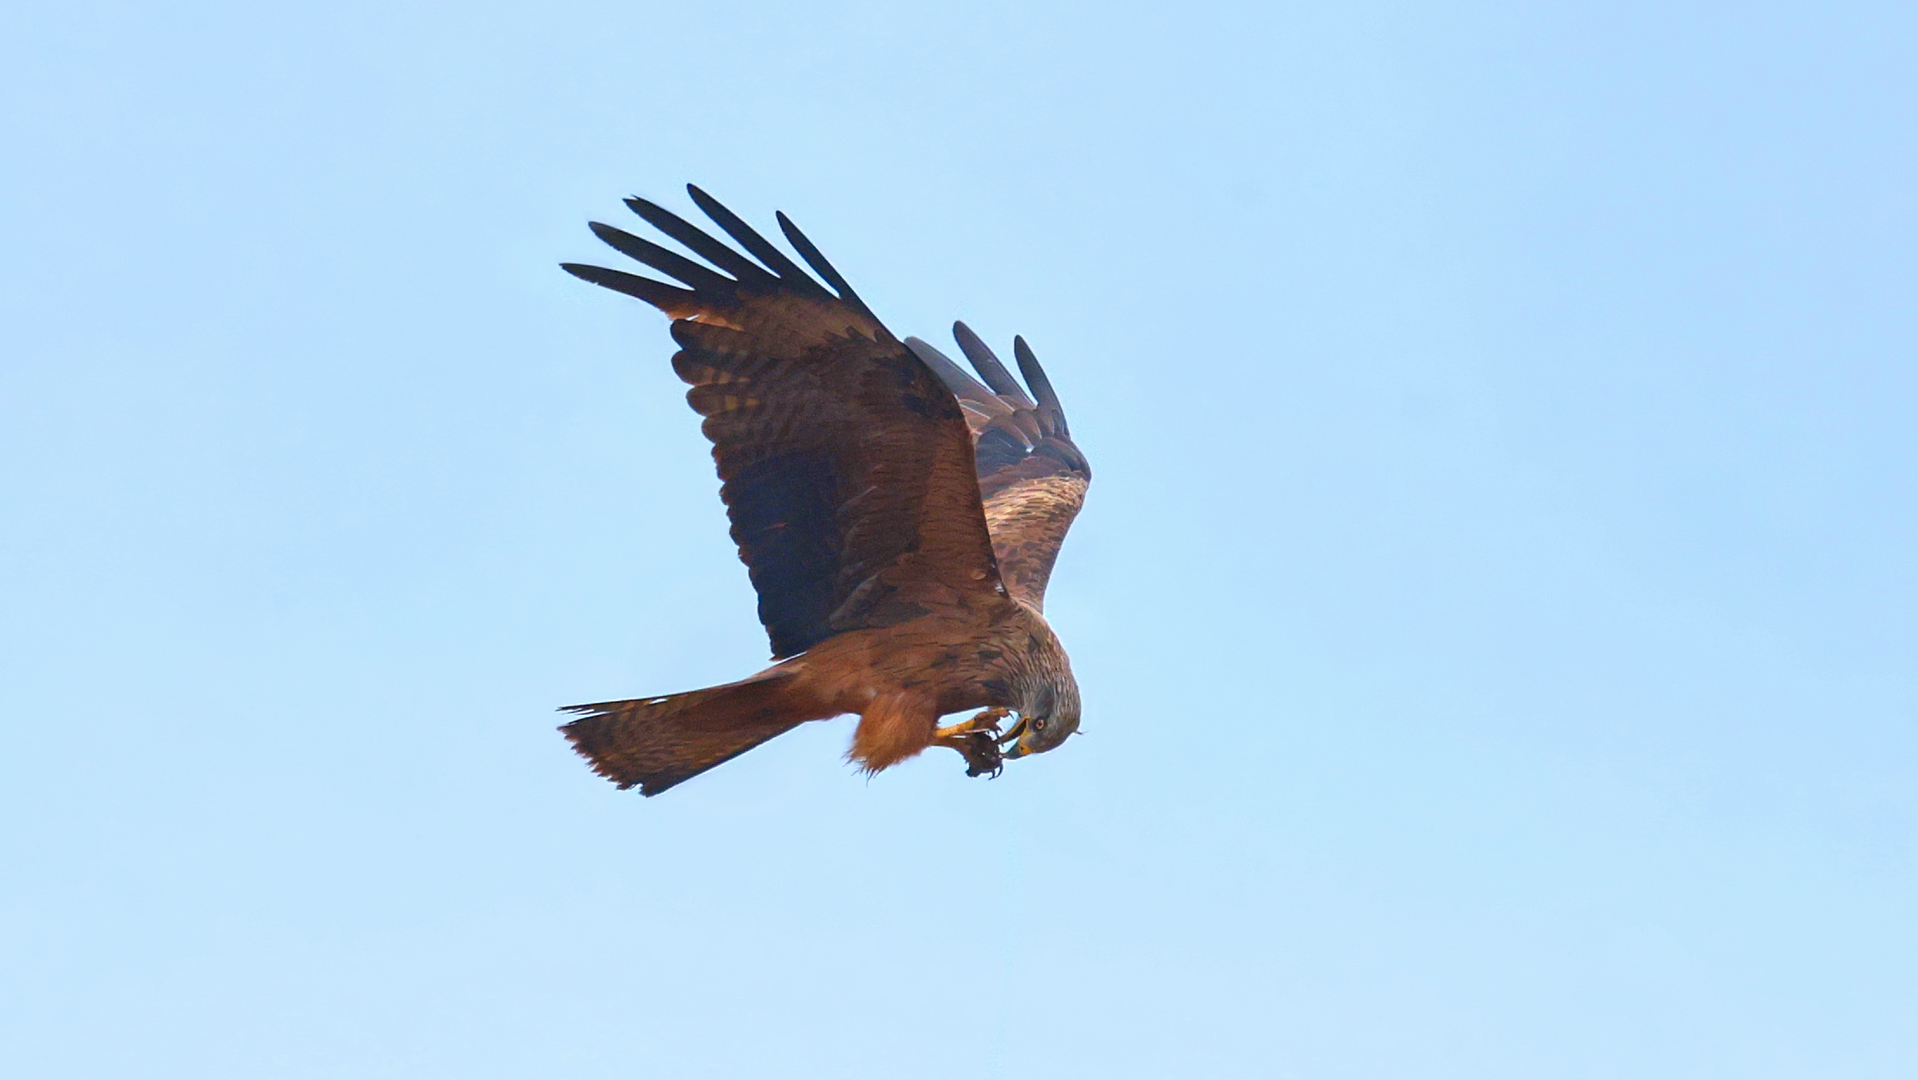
[[977, 741], [986, 721]]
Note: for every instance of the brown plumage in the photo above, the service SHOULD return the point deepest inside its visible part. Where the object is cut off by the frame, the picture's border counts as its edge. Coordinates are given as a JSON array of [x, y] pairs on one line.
[[898, 518]]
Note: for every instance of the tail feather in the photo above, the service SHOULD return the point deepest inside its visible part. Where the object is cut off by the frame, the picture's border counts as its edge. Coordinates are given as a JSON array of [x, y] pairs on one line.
[[658, 742]]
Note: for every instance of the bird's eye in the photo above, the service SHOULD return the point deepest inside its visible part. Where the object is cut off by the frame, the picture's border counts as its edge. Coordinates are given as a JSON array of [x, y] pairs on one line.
[[1039, 723]]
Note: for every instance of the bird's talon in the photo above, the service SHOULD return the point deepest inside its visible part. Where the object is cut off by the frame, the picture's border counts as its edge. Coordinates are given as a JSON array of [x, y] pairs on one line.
[[980, 751]]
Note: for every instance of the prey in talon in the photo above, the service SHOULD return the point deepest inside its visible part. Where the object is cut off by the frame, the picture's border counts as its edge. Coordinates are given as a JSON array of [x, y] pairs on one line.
[[898, 517], [977, 740]]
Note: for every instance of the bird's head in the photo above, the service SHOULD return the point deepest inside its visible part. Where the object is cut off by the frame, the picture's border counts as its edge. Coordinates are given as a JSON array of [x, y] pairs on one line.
[[1051, 718]]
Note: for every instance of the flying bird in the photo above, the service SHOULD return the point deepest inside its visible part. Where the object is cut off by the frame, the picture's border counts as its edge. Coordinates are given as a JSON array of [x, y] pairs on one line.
[[898, 517]]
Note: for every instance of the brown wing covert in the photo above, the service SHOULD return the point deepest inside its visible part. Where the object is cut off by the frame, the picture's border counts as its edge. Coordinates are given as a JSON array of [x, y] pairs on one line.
[[846, 464]]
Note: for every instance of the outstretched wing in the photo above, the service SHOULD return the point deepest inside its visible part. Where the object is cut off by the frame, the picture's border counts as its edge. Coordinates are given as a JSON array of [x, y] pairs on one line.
[[1032, 477], [846, 465]]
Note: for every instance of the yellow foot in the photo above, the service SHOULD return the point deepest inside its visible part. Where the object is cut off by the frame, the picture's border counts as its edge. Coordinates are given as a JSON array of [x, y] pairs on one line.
[[986, 722]]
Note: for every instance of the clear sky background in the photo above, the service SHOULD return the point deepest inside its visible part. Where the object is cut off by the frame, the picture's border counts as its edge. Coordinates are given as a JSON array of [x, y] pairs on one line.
[[1496, 607]]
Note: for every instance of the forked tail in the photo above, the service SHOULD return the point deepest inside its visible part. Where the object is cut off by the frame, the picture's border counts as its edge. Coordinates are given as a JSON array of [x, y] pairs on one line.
[[657, 742]]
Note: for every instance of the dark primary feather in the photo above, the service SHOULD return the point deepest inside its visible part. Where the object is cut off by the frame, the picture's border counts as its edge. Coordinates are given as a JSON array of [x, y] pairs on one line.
[[1042, 392], [990, 369], [821, 266], [699, 243], [775, 260], [657, 293], [1008, 425], [664, 260], [846, 464]]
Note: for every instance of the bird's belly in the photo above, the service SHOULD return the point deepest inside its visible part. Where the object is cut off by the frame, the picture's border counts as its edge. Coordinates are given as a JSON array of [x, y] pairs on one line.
[[958, 666]]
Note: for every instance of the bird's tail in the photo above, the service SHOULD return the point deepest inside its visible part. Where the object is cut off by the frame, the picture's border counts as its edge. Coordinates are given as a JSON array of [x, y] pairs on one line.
[[657, 742]]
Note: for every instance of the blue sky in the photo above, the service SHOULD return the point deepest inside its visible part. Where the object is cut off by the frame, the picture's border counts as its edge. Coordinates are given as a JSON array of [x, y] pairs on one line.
[[1495, 608]]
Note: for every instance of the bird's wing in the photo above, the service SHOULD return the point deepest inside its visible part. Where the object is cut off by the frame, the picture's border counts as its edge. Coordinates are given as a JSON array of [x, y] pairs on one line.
[[846, 465], [1032, 476]]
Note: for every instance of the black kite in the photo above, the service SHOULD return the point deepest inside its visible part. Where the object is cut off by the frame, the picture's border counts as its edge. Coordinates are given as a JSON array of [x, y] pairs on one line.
[[898, 518]]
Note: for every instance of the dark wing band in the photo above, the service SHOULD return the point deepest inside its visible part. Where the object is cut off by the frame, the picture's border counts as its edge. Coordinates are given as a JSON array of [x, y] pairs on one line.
[[1032, 476], [846, 464]]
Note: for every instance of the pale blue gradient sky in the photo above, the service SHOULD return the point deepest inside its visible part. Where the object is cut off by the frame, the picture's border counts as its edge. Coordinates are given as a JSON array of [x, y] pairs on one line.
[[1496, 608]]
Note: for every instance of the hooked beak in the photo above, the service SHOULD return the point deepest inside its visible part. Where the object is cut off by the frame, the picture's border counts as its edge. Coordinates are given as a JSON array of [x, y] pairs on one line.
[[1010, 747]]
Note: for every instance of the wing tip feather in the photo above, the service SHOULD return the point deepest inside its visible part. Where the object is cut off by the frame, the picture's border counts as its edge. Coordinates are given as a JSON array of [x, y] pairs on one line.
[[756, 245], [990, 368], [667, 298], [1043, 394]]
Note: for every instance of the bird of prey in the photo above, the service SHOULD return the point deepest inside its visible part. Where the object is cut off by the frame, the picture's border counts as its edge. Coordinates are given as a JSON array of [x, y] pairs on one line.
[[898, 518]]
